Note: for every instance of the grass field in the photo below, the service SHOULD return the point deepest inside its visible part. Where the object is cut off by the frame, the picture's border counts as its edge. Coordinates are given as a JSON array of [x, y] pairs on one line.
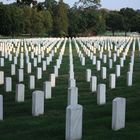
[[19, 124]]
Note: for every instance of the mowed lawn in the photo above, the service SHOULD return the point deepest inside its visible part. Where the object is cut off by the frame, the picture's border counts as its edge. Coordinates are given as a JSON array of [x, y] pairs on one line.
[[19, 124]]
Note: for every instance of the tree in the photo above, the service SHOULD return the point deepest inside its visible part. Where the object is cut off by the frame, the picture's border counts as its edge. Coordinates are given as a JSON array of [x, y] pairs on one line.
[[114, 21], [61, 19], [37, 27], [47, 21], [136, 23], [5, 22], [27, 13], [74, 21], [88, 21], [50, 5], [127, 14], [16, 19], [100, 25]]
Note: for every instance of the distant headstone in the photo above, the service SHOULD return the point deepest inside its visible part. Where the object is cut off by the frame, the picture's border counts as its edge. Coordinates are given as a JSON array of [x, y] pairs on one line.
[[47, 90], [20, 92], [93, 84], [103, 72], [52, 79], [98, 66], [112, 81], [88, 75], [1, 77], [13, 69], [101, 94], [32, 82], [72, 83], [118, 70], [8, 84], [39, 73], [129, 78], [72, 96], [20, 75]]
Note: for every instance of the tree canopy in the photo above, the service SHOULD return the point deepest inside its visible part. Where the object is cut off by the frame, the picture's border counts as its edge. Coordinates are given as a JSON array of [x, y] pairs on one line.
[[52, 18]]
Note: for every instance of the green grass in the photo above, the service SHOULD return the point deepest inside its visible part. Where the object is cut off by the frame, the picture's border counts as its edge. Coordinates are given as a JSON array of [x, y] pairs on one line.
[[19, 124]]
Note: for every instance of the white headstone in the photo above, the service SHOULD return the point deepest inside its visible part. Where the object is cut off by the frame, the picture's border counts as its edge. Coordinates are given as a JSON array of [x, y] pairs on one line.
[[13, 69], [32, 82], [47, 90], [2, 62], [20, 75], [103, 72], [118, 70], [20, 92], [39, 58], [114, 57], [93, 84], [83, 61], [98, 66], [112, 81], [101, 94], [74, 115], [15, 60], [118, 113], [1, 77], [129, 78], [21, 63], [121, 62], [94, 60], [8, 84], [37, 103], [29, 69], [44, 66], [88, 75], [39, 73], [56, 71], [72, 96], [131, 67], [52, 79], [71, 75], [104, 59], [1, 107], [72, 83], [35, 62], [110, 63]]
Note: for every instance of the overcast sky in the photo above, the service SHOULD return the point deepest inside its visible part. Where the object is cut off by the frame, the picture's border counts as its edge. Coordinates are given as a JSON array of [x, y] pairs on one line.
[[110, 4]]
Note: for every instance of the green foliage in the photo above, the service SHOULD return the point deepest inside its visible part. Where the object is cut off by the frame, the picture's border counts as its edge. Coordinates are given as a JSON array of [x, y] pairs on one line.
[[136, 23], [114, 21], [27, 13], [128, 14], [5, 20], [52, 18], [47, 21], [61, 19], [101, 25], [24, 20], [74, 21]]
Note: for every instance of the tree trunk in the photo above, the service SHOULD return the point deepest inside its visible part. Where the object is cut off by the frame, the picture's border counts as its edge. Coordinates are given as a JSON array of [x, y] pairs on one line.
[[113, 32], [125, 33]]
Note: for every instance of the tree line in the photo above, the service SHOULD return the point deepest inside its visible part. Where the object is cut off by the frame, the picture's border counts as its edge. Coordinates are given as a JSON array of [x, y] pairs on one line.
[[52, 18]]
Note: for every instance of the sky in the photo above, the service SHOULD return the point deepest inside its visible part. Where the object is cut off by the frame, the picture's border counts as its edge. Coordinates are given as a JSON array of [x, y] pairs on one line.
[[109, 4]]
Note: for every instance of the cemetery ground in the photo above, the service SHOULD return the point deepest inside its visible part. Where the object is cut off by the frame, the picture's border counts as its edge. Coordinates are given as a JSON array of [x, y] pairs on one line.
[[19, 123]]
